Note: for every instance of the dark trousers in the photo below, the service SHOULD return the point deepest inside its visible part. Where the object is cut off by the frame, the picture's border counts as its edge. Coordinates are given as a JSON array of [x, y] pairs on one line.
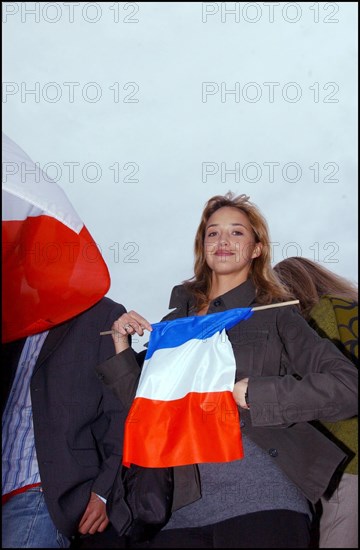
[[270, 529], [107, 539]]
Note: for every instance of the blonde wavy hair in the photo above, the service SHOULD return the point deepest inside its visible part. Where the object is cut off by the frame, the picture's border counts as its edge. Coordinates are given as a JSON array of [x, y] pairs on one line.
[[268, 287]]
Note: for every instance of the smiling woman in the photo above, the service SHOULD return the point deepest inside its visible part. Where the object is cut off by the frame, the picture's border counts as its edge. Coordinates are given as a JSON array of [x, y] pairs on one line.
[[231, 234], [230, 244], [285, 376]]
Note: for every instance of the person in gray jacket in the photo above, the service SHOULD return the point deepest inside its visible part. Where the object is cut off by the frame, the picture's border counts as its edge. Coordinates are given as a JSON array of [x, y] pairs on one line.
[[62, 434], [286, 377]]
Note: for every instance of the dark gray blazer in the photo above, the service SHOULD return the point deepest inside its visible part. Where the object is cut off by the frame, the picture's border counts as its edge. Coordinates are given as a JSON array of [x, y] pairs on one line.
[[295, 377], [78, 422]]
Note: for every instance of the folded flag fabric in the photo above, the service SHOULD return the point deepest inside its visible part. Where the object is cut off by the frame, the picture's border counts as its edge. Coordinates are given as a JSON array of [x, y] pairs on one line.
[[51, 267], [184, 411]]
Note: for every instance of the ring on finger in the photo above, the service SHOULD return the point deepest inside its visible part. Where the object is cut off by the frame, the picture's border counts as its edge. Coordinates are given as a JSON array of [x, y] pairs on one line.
[[127, 326]]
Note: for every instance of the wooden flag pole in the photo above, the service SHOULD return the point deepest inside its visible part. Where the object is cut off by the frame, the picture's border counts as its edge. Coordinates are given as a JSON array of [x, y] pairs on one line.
[[257, 308], [290, 303]]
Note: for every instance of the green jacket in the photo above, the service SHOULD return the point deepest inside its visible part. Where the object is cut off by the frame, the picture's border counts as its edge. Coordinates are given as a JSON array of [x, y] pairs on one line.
[[337, 319]]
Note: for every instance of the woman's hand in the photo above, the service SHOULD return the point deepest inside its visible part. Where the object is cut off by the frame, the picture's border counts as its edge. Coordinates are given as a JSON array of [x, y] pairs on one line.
[[239, 392], [128, 323]]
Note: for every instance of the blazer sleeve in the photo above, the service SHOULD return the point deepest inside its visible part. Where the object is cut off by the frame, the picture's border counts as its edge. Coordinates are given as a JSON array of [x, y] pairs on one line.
[[320, 383], [121, 374], [108, 431]]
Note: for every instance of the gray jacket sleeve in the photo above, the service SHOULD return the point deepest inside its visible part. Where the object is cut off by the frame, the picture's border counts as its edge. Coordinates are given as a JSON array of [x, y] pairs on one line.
[[121, 374], [317, 381]]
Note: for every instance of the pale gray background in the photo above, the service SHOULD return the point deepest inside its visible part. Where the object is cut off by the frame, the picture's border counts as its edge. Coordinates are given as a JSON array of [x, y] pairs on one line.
[[135, 104]]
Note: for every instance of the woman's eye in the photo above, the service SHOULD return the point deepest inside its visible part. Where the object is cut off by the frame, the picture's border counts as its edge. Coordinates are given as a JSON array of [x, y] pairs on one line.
[[237, 233], [212, 234]]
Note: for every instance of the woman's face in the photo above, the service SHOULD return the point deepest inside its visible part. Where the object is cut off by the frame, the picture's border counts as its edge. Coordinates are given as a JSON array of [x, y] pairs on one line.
[[230, 243]]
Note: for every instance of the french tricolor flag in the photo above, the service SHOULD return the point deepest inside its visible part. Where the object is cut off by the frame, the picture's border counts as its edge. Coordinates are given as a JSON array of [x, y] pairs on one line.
[[184, 411]]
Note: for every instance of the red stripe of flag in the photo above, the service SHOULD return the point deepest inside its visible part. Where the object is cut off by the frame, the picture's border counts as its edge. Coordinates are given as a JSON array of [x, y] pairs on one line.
[[205, 423]]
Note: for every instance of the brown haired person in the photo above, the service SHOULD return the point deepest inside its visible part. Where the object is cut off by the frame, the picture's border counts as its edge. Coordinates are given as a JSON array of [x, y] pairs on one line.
[[330, 304], [286, 377]]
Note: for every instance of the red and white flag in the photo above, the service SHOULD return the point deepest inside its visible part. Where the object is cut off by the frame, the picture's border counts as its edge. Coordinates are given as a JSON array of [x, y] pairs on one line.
[[51, 267], [184, 411]]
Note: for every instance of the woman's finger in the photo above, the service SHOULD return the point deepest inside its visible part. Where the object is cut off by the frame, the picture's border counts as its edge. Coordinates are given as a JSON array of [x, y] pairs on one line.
[[131, 322], [144, 323]]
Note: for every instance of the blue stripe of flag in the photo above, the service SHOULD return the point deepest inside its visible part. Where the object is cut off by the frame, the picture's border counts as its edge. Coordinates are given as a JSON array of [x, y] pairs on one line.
[[170, 334]]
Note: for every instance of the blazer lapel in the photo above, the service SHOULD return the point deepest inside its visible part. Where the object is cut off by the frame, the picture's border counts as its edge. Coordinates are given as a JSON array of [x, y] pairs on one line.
[[53, 340]]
